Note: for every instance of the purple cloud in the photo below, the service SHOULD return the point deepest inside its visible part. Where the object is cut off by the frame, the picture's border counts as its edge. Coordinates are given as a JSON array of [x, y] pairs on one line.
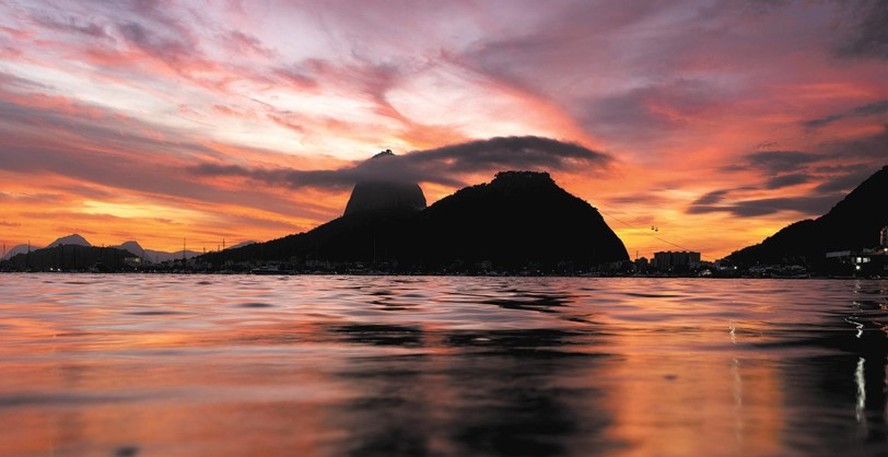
[[445, 165]]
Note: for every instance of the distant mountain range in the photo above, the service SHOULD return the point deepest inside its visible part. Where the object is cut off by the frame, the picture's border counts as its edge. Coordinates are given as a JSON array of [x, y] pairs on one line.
[[71, 257], [148, 255], [153, 256], [853, 224], [519, 219]]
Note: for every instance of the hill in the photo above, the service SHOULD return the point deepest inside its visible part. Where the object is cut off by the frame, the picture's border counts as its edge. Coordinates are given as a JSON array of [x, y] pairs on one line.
[[519, 219], [74, 239], [852, 224], [153, 257], [70, 257], [15, 250]]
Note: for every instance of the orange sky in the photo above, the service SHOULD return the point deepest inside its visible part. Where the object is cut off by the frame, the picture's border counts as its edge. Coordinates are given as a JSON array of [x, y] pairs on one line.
[[718, 122]]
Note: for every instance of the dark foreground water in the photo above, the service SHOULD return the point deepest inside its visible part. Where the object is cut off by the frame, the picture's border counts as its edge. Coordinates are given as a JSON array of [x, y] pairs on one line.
[[384, 366]]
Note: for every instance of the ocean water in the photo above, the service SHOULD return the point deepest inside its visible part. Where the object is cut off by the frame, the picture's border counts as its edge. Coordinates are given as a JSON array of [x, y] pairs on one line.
[[163, 365]]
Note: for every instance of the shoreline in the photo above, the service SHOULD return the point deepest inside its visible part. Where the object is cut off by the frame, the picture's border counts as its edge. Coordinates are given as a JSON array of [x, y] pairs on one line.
[[443, 274]]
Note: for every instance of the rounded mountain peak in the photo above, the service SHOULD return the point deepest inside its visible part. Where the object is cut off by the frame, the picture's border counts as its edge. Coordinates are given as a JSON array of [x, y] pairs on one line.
[[523, 177], [74, 239], [384, 193]]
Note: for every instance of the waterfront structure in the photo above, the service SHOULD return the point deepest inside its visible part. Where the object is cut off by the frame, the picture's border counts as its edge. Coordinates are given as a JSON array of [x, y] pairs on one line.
[[866, 262], [676, 260]]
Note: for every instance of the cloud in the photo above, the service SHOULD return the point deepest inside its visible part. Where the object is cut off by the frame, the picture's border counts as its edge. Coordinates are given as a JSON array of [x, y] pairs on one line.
[[445, 165], [783, 168], [653, 110], [868, 38], [510, 152], [846, 181], [245, 44], [789, 180], [74, 26], [774, 162], [812, 206], [173, 51], [711, 198], [869, 109], [872, 149], [836, 168], [54, 136]]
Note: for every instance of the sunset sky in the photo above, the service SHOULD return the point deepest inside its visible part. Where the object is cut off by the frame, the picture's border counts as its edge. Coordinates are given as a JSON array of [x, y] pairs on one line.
[[718, 122]]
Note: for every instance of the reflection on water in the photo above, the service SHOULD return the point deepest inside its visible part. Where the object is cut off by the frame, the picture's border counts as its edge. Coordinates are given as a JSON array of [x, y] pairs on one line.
[[315, 366]]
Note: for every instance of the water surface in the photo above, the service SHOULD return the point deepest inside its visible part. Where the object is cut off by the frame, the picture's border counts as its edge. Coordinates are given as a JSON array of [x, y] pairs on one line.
[[125, 365]]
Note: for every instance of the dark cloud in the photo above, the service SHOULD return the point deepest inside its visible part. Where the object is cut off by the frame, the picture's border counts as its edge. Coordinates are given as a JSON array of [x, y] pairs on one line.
[[868, 38], [711, 198], [445, 165], [173, 51], [647, 198], [872, 149], [836, 167], [812, 206], [8, 81], [651, 111], [846, 181], [838, 157], [779, 182], [333, 179], [869, 109], [774, 162], [243, 43], [297, 76], [74, 26], [529, 152]]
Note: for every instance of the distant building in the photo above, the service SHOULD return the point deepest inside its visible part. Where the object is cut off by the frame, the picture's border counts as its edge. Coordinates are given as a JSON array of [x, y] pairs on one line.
[[866, 262], [676, 260]]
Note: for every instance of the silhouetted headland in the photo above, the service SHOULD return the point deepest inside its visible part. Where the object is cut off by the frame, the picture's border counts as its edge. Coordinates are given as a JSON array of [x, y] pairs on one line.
[[850, 229], [521, 220]]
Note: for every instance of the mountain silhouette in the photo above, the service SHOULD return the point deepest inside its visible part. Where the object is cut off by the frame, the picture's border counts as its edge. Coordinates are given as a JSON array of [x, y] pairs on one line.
[[153, 256], [852, 224], [242, 244], [133, 247], [17, 249], [81, 259], [73, 239], [519, 219], [384, 193], [71, 257]]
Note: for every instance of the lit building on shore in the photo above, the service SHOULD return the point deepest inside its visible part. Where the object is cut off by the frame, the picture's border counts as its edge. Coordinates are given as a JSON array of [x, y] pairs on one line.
[[865, 262]]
